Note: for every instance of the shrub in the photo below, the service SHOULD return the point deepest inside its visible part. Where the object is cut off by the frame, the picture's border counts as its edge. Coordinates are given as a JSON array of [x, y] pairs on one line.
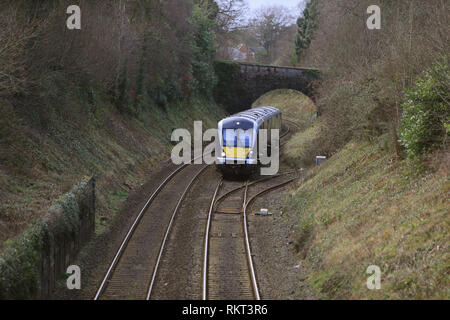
[[426, 112]]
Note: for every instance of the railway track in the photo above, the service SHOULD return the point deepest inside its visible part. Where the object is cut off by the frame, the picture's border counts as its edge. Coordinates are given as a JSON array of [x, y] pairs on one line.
[[228, 270], [134, 268], [293, 122], [131, 273], [226, 273]]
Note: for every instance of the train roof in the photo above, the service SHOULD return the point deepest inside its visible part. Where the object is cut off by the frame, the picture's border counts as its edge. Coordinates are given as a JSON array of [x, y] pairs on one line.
[[258, 114]]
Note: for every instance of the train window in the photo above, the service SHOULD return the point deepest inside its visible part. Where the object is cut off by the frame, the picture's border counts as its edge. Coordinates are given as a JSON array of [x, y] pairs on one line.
[[237, 123], [244, 138], [237, 137]]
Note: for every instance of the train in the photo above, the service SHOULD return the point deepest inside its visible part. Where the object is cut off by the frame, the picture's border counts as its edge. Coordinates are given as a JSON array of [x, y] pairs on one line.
[[238, 139]]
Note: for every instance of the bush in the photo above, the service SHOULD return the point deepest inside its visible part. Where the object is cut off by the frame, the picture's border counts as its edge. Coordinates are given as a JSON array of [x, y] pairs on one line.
[[426, 112], [364, 73]]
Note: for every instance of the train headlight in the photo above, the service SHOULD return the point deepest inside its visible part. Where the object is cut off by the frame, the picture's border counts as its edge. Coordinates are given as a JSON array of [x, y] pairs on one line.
[[223, 154], [250, 154]]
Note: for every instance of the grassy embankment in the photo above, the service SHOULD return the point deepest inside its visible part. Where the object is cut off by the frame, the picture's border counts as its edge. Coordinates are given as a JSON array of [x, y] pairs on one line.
[[38, 166], [299, 108], [361, 208], [101, 101], [294, 105]]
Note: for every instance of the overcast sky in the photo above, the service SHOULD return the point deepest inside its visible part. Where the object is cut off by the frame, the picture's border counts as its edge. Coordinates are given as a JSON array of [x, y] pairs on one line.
[[254, 4], [291, 4]]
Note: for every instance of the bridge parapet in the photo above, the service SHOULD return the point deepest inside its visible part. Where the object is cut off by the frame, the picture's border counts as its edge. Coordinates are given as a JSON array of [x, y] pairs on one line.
[[240, 84]]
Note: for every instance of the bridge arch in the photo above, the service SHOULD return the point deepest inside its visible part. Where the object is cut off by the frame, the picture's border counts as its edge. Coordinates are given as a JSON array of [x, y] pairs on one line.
[[240, 84]]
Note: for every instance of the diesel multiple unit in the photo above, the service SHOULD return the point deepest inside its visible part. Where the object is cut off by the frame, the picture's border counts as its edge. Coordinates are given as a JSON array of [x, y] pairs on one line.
[[238, 138]]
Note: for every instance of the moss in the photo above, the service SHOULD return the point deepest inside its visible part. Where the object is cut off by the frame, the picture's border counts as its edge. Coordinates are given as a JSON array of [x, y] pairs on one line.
[[312, 73], [19, 277], [65, 213], [20, 263]]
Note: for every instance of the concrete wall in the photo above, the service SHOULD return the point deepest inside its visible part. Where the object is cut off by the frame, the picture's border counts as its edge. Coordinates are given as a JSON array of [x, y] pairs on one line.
[[240, 84]]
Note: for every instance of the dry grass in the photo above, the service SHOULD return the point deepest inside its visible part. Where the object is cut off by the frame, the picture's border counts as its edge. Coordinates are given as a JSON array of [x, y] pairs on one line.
[[304, 146], [361, 208], [294, 105], [300, 108]]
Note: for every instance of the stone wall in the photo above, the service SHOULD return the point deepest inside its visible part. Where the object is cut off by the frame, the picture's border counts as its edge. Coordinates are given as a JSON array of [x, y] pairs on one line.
[[33, 264], [240, 84]]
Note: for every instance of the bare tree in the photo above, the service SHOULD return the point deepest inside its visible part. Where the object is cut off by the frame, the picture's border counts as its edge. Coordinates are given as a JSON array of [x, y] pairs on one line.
[[231, 14], [269, 24], [230, 21]]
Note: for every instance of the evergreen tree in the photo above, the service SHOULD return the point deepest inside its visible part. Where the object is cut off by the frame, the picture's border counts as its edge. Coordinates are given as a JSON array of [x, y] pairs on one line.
[[306, 26], [203, 19]]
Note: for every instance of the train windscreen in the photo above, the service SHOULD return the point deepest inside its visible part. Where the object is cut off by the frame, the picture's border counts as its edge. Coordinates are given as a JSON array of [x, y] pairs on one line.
[[237, 133]]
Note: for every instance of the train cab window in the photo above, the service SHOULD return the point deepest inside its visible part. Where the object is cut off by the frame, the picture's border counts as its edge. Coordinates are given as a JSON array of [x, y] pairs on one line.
[[237, 133], [237, 137]]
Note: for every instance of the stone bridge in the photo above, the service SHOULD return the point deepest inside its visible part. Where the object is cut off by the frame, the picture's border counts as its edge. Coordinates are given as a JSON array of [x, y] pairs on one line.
[[240, 83]]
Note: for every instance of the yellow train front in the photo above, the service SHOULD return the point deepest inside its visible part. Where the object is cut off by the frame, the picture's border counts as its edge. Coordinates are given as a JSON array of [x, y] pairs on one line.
[[238, 139]]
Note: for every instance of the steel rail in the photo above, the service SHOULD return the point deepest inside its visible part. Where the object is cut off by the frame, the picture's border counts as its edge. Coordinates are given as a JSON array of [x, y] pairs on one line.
[[140, 215], [245, 205], [206, 247], [252, 199], [206, 243], [221, 197], [285, 133], [248, 250], [247, 241], [161, 249], [294, 122], [132, 229]]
